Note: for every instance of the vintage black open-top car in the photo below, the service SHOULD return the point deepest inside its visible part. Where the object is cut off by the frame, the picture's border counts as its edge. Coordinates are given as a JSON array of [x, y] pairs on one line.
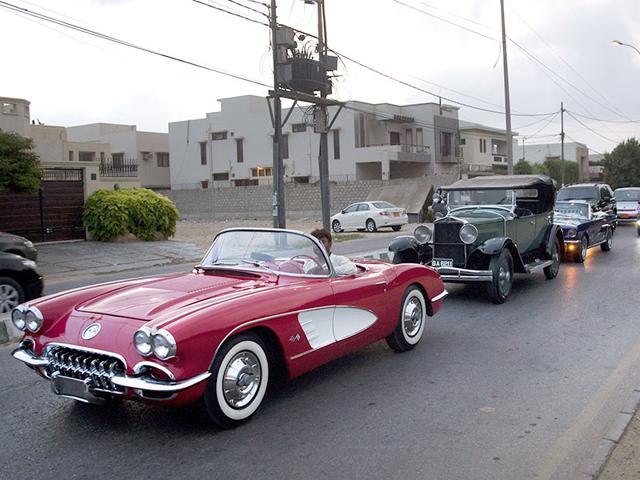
[[495, 226]]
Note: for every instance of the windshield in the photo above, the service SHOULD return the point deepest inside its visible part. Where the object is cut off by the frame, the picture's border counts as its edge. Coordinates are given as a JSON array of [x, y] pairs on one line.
[[572, 209], [578, 193], [628, 195], [458, 198], [276, 251]]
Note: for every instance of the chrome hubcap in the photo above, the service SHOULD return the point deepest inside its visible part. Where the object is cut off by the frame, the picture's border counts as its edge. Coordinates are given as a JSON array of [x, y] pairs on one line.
[[241, 379], [412, 317], [9, 298], [504, 279], [584, 247]]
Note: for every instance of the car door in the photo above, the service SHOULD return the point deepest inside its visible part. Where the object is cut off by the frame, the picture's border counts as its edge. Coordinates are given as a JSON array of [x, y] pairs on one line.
[[363, 213], [348, 219], [525, 224], [361, 306]]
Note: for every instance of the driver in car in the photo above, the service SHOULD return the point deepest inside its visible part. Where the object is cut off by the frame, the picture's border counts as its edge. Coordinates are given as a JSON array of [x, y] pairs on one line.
[[342, 265]]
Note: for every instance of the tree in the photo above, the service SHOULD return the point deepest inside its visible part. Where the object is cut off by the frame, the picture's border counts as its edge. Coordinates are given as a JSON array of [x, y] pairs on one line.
[[622, 165], [552, 167], [522, 168], [19, 164]]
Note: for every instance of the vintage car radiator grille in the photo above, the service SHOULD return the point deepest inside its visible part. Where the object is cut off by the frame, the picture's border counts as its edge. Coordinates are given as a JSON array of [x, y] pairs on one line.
[[94, 367], [447, 243]]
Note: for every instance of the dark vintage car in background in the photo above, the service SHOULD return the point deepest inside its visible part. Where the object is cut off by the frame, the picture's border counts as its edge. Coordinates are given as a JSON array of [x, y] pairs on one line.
[[599, 195], [18, 245], [583, 228], [19, 281], [494, 227]]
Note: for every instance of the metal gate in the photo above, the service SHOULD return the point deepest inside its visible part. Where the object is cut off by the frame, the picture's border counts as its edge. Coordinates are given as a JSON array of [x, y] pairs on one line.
[[54, 213]]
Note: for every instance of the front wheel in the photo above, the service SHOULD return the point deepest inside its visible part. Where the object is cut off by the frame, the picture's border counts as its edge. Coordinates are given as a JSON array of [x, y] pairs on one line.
[[411, 321], [11, 294], [501, 267], [336, 227], [581, 253], [552, 270], [238, 382], [608, 243], [370, 226]]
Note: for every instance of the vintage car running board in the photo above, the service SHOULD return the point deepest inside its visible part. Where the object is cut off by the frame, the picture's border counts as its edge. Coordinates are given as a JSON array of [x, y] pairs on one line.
[[538, 265]]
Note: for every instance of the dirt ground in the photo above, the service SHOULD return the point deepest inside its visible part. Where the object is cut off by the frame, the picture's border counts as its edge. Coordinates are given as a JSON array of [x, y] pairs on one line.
[[201, 232], [624, 463]]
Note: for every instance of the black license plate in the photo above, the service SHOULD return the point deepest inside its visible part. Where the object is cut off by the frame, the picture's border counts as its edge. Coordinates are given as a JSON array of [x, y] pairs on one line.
[[442, 262]]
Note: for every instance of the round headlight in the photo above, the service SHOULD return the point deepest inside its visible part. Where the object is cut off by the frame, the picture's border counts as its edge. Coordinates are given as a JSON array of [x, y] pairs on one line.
[[142, 342], [468, 233], [164, 346], [572, 232], [17, 318], [423, 234], [33, 320]]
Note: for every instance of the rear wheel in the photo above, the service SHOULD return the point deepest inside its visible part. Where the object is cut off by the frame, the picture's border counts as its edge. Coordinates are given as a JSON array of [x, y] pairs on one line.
[[11, 294], [606, 246], [411, 321], [581, 252], [238, 382], [396, 228], [336, 227], [552, 270], [501, 267], [370, 225]]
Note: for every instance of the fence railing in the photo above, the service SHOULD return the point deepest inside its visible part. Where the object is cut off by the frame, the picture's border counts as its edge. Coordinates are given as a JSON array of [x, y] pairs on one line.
[[62, 174], [126, 167]]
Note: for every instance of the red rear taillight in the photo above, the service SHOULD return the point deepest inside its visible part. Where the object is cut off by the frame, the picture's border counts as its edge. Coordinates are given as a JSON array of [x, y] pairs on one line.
[[384, 213]]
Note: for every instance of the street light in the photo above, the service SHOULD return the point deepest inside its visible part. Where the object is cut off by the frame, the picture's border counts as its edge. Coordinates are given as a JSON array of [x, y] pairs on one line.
[[619, 43]]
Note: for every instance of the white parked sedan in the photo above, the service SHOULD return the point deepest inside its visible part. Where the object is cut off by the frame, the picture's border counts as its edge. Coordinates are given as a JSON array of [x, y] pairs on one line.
[[369, 216]]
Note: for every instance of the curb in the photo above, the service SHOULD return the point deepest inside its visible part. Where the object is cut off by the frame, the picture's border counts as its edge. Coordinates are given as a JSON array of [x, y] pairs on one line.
[[609, 442], [8, 332]]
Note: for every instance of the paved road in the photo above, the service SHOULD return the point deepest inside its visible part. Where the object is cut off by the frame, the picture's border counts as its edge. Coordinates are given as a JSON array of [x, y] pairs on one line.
[[521, 390]]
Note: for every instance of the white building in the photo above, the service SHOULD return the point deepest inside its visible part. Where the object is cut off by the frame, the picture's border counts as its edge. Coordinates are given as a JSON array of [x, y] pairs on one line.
[[483, 149], [367, 141], [15, 116], [573, 151], [148, 151]]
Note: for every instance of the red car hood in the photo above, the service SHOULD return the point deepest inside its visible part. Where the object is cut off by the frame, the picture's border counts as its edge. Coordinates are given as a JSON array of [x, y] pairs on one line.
[[163, 296]]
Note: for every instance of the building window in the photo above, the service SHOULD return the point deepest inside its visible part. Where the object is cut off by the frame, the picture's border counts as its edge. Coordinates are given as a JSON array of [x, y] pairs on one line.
[[146, 156], [26, 111], [463, 141], [71, 155], [300, 179], [360, 130], [285, 146], [408, 137], [203, 153], [9, 108], [218, 135], [419, 140], [336, 144], [483, 145], [245, 182], [445, 143], [217, 177], [117, 158], [94, 176], [261, 172], [86, 156], [239, 150], [101, 157], [299, 127], [163, 159]]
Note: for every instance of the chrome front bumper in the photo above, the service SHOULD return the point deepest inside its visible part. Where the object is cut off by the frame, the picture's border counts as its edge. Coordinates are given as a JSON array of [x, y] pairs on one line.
[[464, 275], [143, 382]]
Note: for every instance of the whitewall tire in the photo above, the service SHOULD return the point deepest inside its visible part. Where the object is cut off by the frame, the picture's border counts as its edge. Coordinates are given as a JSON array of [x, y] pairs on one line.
[[411, 322]]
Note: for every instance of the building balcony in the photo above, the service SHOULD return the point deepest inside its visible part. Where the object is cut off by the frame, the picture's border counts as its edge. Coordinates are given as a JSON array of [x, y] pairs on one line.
[[394, 153], [119, 168]]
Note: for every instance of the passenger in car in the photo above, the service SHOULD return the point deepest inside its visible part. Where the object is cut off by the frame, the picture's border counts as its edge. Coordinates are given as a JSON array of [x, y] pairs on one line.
[[342, 265]]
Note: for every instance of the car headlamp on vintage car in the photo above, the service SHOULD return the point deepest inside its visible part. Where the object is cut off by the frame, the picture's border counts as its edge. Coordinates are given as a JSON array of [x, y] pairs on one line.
[[164, 345], [142, 341], [33, 319], [18, 320], [423, 234], [572, 233], [468, 233]]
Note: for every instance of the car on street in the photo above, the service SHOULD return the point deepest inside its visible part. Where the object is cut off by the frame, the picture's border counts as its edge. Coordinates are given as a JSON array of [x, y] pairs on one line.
[[19, 281], [369, 216], [583, 228], [628, 204], [18, 245], [495, 226], [263, 304], [599, 195]]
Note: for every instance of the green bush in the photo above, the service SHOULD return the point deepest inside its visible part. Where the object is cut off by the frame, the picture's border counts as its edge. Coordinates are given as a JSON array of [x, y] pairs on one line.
[[109, 214]]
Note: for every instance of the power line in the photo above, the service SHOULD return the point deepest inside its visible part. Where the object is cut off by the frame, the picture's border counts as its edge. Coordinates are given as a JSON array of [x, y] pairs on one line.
[[229, 12], [532, 123], [248, 7], [547, 124], [30, 13], [606, 121], [591, 129]]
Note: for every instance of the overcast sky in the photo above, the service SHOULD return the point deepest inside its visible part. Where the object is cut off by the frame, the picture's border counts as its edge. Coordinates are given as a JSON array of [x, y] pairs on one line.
[[71, 78]]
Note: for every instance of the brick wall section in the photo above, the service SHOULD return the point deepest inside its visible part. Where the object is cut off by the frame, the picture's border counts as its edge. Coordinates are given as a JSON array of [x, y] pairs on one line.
[[303, 200]]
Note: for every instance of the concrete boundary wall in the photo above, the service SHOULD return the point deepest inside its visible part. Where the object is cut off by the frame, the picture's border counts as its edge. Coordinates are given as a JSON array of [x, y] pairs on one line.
[[302, 200]]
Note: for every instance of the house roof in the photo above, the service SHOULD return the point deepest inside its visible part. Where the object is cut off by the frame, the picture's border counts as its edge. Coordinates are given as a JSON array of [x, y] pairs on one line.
[[501, 181], [464, 125]]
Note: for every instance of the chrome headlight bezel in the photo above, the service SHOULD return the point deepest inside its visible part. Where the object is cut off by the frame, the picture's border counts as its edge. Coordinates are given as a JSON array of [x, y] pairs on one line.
[[468, 233], [18, 319], [164, 340], [572, 233], [143, 336], [33, 319], [423, 234]]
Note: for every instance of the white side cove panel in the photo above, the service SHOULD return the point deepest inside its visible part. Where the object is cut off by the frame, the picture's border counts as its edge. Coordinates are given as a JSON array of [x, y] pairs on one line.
[[348, 321], [318, 326]]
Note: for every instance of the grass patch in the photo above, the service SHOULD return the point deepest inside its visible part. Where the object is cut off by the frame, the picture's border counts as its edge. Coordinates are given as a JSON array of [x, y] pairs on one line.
[[343, 237]]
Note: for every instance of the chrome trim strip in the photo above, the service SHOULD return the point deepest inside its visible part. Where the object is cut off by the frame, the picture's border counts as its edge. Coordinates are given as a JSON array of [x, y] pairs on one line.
[[138, 369], [440, 297], [153, 385], [459, 272], [28, 357], [464, 279]]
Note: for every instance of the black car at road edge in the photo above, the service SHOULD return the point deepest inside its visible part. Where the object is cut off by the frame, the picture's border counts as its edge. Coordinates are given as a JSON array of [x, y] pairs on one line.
[[19, 281]]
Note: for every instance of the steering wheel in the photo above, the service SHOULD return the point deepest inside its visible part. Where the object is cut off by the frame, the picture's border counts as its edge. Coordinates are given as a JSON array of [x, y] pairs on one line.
[[317, 267]]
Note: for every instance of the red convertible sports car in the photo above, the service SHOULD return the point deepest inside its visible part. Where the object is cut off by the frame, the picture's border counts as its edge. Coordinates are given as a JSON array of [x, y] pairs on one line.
[[263, 302]]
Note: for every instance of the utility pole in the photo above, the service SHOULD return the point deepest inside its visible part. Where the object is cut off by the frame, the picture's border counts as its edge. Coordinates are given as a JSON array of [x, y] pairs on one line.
[[562, 144], [321, 110], [507, 101], [523, 154], [278, 202]]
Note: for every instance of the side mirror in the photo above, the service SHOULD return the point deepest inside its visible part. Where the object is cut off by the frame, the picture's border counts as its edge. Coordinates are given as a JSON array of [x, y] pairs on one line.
[[343, 212]]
